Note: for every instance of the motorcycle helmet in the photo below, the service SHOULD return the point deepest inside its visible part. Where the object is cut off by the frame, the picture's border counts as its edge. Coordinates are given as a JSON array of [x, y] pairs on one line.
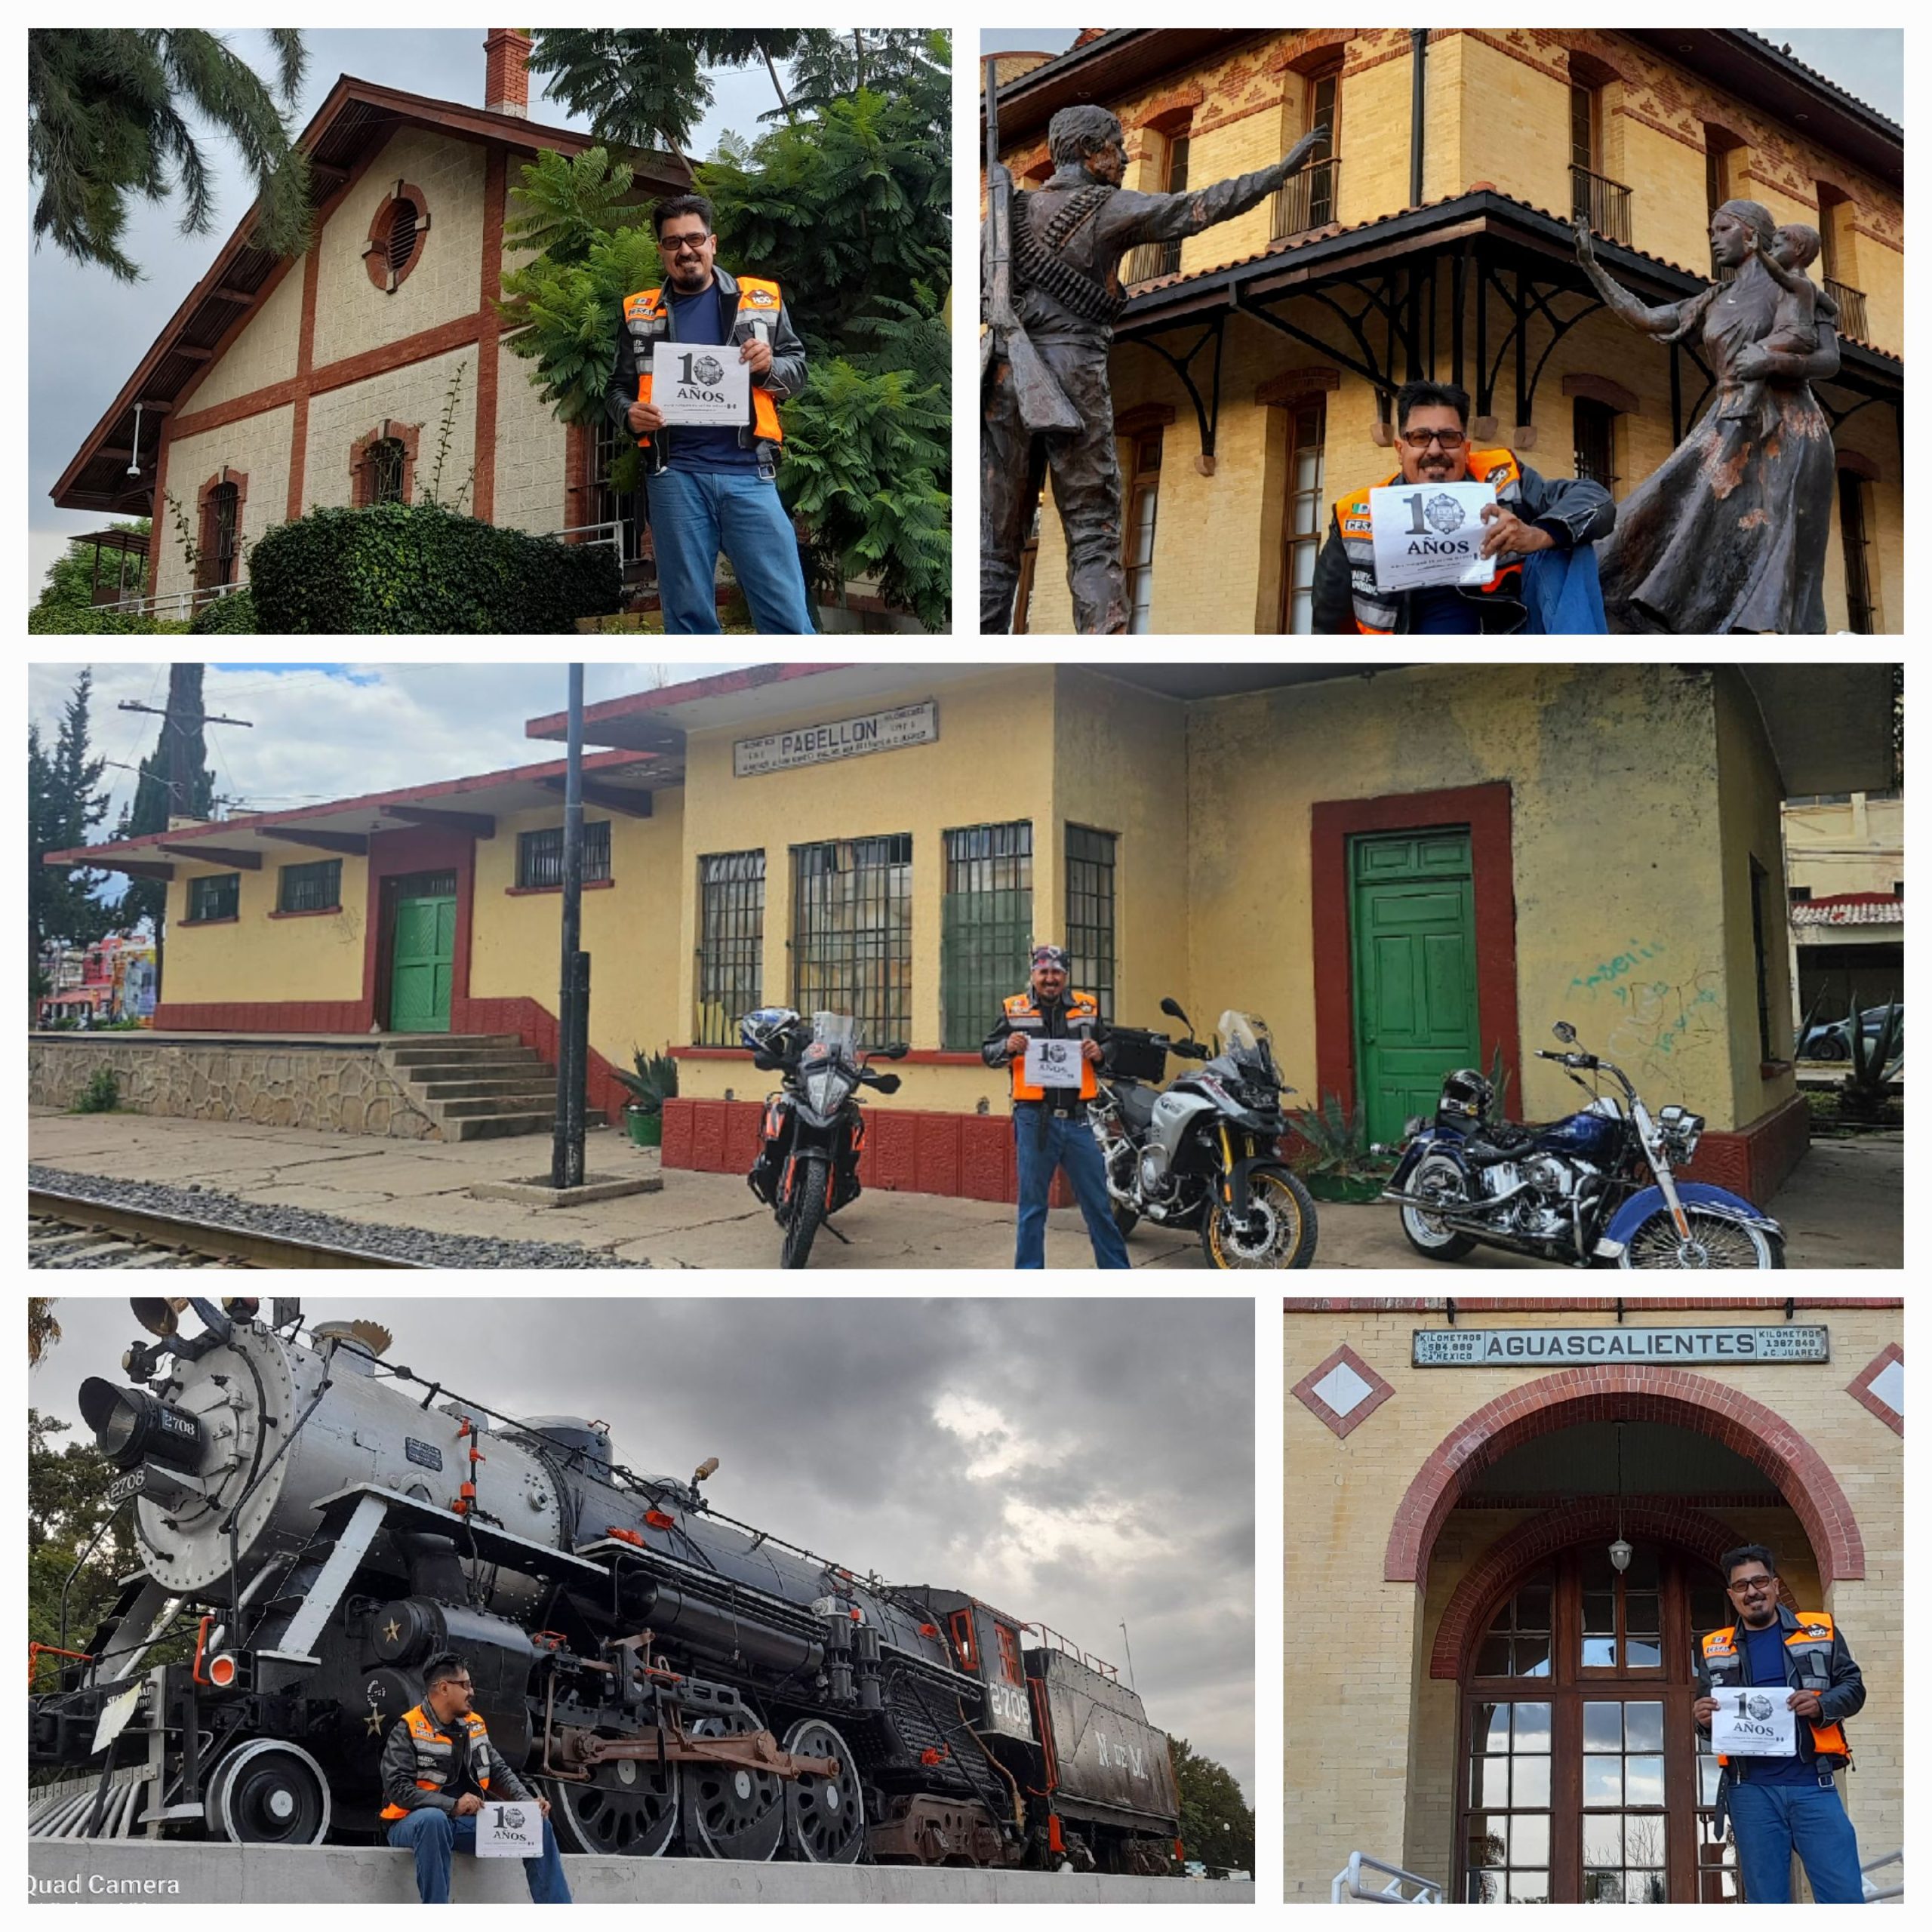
[[1466, 1098], [759, 1028]]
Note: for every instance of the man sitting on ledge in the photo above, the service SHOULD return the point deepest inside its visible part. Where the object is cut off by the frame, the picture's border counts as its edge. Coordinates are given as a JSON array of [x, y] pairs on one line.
[[438, 1766]]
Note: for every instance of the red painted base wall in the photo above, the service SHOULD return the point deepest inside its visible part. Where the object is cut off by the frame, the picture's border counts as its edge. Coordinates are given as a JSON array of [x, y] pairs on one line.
[[1755, 1161], [968, 1156]]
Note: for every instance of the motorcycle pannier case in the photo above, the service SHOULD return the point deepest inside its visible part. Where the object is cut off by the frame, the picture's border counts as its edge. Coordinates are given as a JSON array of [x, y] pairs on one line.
[[1132, 1055]]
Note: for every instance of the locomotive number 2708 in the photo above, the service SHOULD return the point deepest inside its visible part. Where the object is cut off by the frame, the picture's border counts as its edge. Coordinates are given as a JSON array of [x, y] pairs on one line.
[[1008, 1703]]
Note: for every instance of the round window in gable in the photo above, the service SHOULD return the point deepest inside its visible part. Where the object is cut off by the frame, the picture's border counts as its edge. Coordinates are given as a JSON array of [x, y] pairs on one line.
[[396, 236]]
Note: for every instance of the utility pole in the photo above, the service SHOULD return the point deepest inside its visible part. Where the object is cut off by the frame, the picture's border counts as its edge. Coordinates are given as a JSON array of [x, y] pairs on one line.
[[573, 981], [1131, 1684]]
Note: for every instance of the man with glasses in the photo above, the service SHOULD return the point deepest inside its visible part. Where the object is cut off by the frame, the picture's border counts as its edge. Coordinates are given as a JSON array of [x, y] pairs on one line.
[[1778, 1805], [1531, 513], [712, 486], [1049, 1129], [438, 1767]]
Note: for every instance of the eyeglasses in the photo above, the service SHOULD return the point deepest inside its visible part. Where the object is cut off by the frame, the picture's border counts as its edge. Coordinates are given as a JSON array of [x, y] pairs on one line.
[[1752, 1586], [682, 244], [1420, 439]]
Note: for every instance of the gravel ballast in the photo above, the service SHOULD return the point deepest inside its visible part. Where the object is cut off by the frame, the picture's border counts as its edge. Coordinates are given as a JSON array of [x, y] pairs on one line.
[[421, 1245]]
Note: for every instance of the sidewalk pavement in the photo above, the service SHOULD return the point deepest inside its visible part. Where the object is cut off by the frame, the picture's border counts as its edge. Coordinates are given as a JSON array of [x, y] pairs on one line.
[[1844, 1207]]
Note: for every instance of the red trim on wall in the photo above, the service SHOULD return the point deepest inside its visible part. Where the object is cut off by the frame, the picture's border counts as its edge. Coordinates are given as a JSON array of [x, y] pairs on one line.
[[578, 452], [409, 435], [1485, 810], [305, 363], [281, 1016], [921, 1056], [204, 522], [426, 849], [484, 492], [1755, 1161], [376, 256], [312, 912], [1859, 1388], [538, 891]]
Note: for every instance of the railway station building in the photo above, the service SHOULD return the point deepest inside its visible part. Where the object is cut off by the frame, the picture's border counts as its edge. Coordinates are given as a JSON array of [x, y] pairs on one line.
[[1503, 1711], [1403, 868], [1254, 365]]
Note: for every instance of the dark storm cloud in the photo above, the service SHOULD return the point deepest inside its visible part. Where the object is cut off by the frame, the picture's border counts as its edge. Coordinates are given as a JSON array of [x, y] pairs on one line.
[[1080, 1463]]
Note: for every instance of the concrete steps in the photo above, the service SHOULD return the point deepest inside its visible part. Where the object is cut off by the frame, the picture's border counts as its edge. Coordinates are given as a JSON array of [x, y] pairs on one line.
[[478, 1086]]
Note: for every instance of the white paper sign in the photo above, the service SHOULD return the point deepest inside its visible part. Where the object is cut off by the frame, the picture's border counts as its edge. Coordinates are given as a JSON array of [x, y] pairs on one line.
[[511, 1829], [114, 1716], [1754, 1722], [1053, 1063], [700, 382], [1427, 535]]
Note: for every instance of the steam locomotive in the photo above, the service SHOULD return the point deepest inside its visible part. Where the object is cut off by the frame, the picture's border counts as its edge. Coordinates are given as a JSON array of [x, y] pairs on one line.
[[315, 1523]]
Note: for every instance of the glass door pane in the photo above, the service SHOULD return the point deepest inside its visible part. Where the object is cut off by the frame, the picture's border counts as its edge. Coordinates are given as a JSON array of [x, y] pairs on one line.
[[1507, 1822], [1625, 1832]]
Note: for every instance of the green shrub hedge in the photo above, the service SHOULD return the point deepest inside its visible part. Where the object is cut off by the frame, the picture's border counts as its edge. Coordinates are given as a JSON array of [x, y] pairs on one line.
[[232, 616], [417, 567], [70, 620]]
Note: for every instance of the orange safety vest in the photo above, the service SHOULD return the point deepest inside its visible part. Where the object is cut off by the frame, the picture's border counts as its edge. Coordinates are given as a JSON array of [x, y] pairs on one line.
[[434, 1752], [1811, 1643], [755, 297], [1376, 611], [1024, 1016]]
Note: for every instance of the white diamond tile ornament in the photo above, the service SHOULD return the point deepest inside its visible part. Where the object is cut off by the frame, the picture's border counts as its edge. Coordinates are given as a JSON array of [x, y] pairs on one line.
[[1342, 1388], [1888, 1385]]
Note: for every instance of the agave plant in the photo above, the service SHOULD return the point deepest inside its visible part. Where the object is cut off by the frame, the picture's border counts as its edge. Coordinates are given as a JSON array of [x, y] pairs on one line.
[[1866, 1088], [1334, 1138], [654, 1082]]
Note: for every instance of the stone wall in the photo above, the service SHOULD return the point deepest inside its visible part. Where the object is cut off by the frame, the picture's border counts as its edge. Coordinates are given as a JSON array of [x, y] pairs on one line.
[[337, 1089]]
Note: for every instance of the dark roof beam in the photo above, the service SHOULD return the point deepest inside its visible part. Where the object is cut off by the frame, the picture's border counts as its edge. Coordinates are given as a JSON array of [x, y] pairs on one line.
[[354, 844], [476, 825], [246, 861], [607, 798]]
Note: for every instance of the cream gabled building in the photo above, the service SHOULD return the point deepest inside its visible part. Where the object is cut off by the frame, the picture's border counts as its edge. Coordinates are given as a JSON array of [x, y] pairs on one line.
[[284, 384]]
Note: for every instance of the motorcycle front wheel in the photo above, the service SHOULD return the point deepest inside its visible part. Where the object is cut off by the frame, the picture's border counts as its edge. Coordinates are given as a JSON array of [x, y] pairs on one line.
[[1278, 1232], [808, 1195], [1715, 1242]]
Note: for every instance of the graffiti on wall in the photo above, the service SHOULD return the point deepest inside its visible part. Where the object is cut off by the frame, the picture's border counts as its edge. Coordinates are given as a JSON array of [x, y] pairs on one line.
[[1658, 1020]]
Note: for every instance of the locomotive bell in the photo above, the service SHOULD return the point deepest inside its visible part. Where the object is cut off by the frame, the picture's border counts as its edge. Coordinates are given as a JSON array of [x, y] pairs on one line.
[[159, 1314]]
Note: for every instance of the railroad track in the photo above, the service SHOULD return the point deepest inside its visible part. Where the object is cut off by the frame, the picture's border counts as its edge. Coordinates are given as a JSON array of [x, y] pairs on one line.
[[69, 1231]]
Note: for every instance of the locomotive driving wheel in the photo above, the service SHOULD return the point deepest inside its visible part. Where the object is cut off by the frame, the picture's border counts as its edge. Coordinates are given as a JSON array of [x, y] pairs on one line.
[[629, 1810], [733, 1811], [268, 1792], [825, 1818]]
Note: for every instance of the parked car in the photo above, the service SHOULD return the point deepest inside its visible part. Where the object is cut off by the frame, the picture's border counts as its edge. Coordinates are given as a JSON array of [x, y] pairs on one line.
[[1832, 1039]]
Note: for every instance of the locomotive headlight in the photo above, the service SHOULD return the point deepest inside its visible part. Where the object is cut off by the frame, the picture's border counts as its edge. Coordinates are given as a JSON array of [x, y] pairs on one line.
[[131, 1427]]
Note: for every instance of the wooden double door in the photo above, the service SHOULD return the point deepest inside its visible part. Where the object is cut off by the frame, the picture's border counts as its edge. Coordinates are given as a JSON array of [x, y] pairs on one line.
[[1584, 1780]]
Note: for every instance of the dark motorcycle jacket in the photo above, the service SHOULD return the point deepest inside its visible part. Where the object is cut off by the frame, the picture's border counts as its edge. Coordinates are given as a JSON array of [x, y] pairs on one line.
[[657, 322], [426, 1764], [1570, 510], [1072, 1016]]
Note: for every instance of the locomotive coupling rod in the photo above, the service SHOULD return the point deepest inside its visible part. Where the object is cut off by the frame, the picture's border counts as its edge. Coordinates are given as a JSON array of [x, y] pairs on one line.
[[755, 1750]]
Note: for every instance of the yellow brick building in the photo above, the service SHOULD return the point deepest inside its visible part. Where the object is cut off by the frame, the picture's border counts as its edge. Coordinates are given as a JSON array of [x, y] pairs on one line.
[[1254, 367], [1469, 1674], [1226, 833]]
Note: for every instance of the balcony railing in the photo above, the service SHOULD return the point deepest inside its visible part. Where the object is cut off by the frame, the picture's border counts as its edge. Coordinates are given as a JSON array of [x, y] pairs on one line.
[[1602, 203], [1307, 200], [1151, 259], [178, 606], [1851, 310]]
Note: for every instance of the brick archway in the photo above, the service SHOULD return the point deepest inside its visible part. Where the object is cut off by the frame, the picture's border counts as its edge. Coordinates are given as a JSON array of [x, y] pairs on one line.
[[1588, 1519], [1627, 1393]]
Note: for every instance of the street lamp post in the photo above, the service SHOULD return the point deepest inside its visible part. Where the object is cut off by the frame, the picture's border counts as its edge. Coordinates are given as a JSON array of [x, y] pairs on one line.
[[573, 981]]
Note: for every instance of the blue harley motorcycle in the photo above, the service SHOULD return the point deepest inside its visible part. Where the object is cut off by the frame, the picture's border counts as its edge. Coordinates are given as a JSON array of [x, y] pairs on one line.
[[1596, 1189]]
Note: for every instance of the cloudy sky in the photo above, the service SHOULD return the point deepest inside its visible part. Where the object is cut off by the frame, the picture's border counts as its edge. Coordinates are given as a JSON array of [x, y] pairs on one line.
[[1080, 1463], [87, 331], [323, 731]]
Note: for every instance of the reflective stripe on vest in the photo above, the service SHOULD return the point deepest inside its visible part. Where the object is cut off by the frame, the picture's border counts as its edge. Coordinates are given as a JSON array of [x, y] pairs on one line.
[[1023, 1016], [755, 297], [432, 1744], [1376, 614], [1810, 1644]]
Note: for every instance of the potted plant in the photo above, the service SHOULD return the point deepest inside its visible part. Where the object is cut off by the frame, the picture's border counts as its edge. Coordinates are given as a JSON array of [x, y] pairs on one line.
[[1334, 1159], [654, 1082]]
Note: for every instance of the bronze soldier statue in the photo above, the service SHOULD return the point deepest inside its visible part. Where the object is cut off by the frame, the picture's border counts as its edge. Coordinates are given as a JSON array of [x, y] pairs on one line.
[[1052, 294]]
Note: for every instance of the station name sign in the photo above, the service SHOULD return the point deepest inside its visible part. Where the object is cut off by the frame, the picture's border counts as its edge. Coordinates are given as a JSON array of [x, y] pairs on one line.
[[848, 737], [1501, 1348]]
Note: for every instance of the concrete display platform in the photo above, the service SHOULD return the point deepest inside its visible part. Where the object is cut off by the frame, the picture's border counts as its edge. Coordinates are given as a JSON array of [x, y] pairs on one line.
[[60, 1872], [1842, 1207]]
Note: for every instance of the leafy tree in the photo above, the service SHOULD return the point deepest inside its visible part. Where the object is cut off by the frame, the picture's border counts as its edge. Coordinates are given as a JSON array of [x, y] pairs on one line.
[[1217, 1823], [43, 1328], [891, 61], [68, 585], [154, 800], [105, 120], [66, 1505], [66, 801]]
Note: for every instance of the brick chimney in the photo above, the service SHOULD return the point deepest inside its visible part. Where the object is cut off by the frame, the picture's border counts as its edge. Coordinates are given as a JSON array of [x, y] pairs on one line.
[[506, 79]]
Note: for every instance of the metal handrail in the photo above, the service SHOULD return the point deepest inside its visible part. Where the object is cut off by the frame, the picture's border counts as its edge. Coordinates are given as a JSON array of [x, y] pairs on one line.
[[1603, 204], [1874, 1893], [611, 533], [186, 602], [1347, 1884], [1851, 310], [1307, 200]]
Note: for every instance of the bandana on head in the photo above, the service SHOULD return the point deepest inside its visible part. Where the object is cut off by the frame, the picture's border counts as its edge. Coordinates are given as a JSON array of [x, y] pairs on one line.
[[1053, 956]]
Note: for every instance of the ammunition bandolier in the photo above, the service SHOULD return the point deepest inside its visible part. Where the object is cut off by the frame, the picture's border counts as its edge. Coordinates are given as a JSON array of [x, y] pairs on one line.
[[1039, 262]]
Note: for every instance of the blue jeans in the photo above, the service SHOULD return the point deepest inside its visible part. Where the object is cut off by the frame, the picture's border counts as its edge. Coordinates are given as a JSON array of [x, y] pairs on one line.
[[434, 1836], [1044, 1141], [693, 515], [1769, 1821]]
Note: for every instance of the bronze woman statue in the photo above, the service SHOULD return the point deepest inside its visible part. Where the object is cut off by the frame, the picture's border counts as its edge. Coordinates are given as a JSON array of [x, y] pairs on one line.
[[1729, 533]]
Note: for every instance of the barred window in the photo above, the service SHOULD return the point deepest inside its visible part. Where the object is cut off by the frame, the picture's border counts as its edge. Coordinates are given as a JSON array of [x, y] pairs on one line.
[[731, 943], [1089, 913], [986, 924], [852, 932], [386, 466], [314, 888], [219, 897], [540, 855]]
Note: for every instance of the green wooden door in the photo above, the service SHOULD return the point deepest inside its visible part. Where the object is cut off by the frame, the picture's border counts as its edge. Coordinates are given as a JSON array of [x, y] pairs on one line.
[[423, 957], [1413, 926]]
